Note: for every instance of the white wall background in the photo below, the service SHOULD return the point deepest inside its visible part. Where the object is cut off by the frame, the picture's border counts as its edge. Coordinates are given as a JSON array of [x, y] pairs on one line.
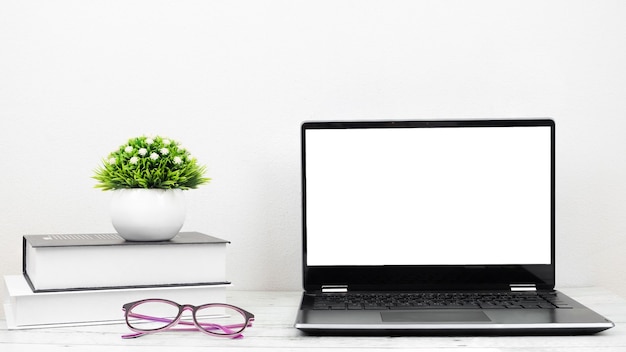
[[233, 80]]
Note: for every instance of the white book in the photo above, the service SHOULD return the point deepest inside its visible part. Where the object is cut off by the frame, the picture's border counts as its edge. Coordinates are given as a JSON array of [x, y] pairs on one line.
[[26, 309], [104, 261]]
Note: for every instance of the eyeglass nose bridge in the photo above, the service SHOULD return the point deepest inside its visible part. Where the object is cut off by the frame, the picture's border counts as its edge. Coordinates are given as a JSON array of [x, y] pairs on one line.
[[184, 307], [187, 307]]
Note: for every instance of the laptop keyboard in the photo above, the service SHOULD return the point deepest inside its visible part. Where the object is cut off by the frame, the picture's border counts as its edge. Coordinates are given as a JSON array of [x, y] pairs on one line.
[[438, 300]]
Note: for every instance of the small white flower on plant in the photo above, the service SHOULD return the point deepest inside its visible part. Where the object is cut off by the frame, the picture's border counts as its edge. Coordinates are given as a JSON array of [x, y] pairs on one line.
[[128, 149], [143, 151], [149, 141], [134, 160], [167, 142], [164, 151], [154, 156], [177, 160], [112, 161]]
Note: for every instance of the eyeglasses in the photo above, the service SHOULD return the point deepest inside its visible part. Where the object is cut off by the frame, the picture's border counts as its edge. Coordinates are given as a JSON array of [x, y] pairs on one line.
[[155, 315]]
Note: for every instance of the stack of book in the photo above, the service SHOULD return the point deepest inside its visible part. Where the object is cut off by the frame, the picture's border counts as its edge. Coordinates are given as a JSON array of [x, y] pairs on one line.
[[86, 278]]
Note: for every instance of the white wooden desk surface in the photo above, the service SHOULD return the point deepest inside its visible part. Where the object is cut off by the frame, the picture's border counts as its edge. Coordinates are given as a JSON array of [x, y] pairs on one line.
[[273, 331]]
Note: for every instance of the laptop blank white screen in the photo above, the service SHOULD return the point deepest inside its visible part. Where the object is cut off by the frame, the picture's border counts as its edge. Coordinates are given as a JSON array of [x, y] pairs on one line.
[[428, 196]]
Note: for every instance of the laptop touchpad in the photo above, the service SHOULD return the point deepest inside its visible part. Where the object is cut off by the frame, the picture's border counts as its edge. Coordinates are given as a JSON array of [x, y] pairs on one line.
[[430, 316]]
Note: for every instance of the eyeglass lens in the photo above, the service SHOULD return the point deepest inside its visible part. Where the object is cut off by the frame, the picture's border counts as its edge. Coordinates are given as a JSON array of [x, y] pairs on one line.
[[152, 315], [221, 320]]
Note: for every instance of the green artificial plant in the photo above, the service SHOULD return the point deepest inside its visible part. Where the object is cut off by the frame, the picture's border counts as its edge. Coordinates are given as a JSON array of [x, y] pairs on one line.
[[150, 162]]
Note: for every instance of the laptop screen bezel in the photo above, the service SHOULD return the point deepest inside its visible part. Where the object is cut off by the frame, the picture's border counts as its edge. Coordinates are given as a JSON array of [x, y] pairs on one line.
[[428, 277]]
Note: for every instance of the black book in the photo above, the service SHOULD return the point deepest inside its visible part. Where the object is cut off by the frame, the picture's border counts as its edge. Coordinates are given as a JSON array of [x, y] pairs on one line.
[[59, 262]]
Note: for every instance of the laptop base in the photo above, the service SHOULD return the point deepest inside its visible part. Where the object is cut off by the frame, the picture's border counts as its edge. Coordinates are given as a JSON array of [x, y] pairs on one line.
[[575, 319]]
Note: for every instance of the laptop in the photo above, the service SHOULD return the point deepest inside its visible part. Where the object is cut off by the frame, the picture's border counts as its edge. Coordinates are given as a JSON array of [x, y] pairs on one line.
[[432, 227]]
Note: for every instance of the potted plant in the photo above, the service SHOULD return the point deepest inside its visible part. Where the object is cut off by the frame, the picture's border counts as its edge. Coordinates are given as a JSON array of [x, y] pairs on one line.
[[147, 176]]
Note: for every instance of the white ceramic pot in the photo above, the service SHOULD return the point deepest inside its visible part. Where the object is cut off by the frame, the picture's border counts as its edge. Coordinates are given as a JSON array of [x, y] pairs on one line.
[[140, 214]]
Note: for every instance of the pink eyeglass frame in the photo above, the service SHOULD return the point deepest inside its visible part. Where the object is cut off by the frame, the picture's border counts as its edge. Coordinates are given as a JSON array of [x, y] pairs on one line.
[[232, 331]]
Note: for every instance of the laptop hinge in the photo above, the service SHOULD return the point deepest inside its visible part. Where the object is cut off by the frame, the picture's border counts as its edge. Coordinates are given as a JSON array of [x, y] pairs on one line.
[[523, 287], [334, 288]]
